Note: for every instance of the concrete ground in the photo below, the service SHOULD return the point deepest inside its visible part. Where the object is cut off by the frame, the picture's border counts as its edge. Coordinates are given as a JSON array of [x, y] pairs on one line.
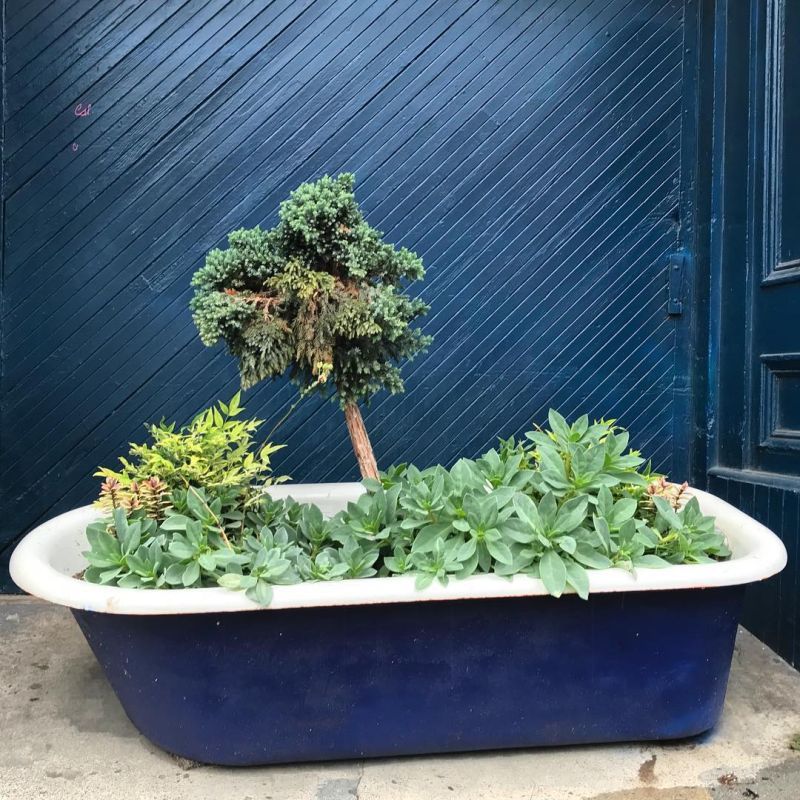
[[65, 736]]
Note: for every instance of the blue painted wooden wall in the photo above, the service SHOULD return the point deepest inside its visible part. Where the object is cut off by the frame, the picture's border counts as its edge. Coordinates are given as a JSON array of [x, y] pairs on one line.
[[531, 152]]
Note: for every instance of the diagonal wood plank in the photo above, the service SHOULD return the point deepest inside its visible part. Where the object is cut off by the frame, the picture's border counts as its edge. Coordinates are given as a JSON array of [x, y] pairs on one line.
[[530, 152]]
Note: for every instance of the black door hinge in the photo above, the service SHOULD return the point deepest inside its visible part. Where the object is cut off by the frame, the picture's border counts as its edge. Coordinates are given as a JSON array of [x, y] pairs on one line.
[[677, 266]]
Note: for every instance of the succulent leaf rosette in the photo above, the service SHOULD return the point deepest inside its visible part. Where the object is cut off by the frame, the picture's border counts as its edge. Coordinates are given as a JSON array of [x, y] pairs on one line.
[[560, 503]]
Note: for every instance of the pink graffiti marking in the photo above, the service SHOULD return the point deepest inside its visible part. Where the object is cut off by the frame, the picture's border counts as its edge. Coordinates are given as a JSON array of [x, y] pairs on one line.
[[74, 147], [82, 110]]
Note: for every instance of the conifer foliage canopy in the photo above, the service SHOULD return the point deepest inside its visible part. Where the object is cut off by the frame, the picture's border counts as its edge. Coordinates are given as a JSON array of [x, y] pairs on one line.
[[320, 295]]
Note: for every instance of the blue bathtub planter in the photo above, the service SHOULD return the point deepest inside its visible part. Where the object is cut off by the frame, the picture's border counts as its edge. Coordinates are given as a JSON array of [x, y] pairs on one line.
[[373, 667]]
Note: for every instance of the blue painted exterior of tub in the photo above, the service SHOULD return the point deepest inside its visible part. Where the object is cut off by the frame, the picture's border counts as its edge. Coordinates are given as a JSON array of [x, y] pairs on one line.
[[316, 684]]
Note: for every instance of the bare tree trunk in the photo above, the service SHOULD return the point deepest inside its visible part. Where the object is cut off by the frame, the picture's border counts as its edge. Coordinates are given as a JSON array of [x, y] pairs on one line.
[[362, 446]]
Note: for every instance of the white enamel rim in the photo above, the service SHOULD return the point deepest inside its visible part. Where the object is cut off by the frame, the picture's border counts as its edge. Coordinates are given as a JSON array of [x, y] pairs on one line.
[[48, 556]]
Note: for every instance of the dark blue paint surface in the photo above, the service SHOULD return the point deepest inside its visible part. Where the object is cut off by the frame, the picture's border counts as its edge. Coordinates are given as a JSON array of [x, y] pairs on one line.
[[771, 611], [752, 415], [532, 153], [328, 683]]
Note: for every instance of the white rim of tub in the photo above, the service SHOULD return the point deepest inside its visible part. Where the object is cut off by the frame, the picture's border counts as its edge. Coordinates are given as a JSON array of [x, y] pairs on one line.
[[46, 559]]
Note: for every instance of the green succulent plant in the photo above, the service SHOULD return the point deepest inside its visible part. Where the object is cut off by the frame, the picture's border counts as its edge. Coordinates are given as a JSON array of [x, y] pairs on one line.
[[570, 501]]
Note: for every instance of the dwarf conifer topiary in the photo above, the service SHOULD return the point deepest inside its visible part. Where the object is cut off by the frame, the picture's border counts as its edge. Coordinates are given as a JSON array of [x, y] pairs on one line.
[[320, 295]]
